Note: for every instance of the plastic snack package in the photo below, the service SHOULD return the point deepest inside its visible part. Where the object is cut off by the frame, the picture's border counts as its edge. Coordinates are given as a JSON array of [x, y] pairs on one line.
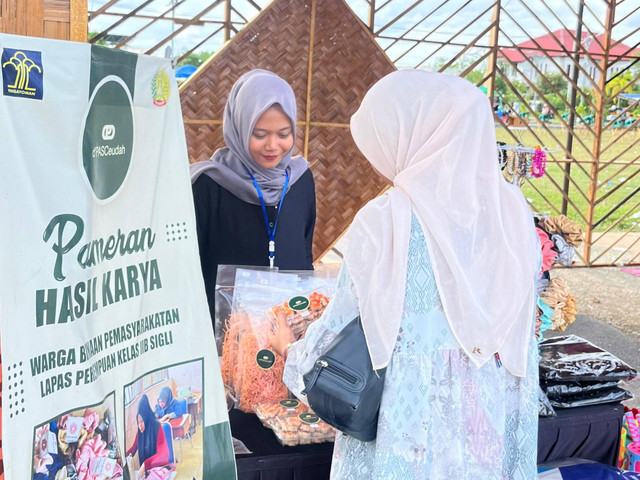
[[224, 290], [255, 370], [268, 411], [302, 429], [301, 310]]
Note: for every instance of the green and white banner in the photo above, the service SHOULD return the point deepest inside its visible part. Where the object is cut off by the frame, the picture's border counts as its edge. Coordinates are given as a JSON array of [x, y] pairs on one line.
[[108, 357]]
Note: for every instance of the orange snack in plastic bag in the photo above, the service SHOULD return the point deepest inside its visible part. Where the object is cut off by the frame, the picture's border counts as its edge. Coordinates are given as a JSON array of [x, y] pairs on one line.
[[257, 382], [301, 310]]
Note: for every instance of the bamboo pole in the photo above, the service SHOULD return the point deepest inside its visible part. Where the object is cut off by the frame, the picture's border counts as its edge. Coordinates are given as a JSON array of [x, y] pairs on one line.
[[227, 20], [312, 39], [493, 58], [597, 141], [572, 106]]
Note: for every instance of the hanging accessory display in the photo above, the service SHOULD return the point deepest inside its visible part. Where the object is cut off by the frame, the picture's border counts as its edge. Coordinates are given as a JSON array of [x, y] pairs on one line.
[[538, 162], [502, 155], [519, 163], [271, 232], [510, 171]]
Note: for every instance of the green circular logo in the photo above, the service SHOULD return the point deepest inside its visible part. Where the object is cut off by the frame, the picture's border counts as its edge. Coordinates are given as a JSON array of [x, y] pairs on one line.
[[299, 303], [290, 403], [107, 138], [265, 359], [309, 418]]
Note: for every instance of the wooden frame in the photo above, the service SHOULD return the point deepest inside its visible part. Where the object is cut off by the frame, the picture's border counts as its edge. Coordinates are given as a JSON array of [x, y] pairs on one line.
[[416, 32]]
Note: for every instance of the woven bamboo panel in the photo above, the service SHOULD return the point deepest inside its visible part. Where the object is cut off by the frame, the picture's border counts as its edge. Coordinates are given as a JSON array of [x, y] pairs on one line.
[[278, 40], [344, 183], [346, 61], [203, 140]]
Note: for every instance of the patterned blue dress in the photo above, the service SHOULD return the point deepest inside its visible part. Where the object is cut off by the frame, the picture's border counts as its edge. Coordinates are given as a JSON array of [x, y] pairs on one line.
[[441, 417]]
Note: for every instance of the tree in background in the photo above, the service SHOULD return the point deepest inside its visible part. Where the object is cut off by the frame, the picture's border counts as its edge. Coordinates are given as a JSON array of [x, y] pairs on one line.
[[195, 59], [508, 95], [549, 85], [475, 77], [552, 81], [100, 42]]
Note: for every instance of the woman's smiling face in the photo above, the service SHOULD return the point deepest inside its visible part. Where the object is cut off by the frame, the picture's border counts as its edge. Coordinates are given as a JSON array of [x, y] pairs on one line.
[[272, 137]]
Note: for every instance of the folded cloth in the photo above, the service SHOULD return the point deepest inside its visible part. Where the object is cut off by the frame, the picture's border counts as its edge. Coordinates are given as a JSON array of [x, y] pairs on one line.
[[569, 229], [566, 251], [548, 254], [563, 304], [545, 315], [570, 309], [541, 284], [558, 321]]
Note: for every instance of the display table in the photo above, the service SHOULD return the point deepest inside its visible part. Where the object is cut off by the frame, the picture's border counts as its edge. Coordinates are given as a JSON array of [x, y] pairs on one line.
[[272, 461], [591, 433]]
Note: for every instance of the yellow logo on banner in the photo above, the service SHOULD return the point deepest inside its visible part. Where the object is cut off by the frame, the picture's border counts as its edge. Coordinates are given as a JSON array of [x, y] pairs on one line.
[[23, 66], [160, 88]]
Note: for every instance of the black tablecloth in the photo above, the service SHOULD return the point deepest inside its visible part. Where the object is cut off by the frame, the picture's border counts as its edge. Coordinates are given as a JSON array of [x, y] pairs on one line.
[[592, 433], [272, 461]]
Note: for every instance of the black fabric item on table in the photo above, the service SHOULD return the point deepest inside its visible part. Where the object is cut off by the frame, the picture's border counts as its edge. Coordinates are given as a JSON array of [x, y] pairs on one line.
[[613, 395], [272, 461], [576, 388], [544, 406], [592, 433], [581, 394], [571, 358]]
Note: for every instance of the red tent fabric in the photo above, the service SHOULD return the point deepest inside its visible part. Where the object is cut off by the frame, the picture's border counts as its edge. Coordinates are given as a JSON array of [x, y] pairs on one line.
[[553, 43]]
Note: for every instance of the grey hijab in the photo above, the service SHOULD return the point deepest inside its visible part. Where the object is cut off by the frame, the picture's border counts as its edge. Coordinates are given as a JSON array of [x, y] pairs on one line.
[[250, 97]]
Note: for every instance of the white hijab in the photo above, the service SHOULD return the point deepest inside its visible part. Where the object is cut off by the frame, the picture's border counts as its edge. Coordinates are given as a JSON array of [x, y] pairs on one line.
[[433, 136]]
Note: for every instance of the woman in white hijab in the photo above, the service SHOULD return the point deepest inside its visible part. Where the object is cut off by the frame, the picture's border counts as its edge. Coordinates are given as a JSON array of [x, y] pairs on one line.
[[441, 270]]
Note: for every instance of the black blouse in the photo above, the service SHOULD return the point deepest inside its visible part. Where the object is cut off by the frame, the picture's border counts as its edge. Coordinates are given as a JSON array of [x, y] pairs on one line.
[[233, 232]]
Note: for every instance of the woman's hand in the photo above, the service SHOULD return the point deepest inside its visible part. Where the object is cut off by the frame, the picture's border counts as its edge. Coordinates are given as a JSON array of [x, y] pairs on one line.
[[166, 418], [281, 336]]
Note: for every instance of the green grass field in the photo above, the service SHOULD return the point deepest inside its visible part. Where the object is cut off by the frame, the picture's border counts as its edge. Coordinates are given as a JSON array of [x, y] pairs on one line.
[[627, 148]]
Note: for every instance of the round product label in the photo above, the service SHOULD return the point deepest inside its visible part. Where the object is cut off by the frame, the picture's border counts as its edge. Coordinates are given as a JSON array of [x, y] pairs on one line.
[[292, 403], [309, 418], [299, 303], [265, 359]]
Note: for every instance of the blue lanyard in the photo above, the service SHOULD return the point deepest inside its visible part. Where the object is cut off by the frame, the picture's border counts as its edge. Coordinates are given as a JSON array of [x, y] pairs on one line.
[[270, 233]]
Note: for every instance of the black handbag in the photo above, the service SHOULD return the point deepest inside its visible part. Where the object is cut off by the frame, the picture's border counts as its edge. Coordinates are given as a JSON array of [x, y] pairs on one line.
[[343, 389]]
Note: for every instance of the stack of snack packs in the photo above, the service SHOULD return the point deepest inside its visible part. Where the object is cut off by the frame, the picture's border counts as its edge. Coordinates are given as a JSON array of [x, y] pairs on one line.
[[293, 423], [249, 366]]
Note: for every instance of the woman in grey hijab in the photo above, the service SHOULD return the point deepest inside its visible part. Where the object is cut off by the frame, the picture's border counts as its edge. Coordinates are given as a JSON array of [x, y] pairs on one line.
[[254, 201]]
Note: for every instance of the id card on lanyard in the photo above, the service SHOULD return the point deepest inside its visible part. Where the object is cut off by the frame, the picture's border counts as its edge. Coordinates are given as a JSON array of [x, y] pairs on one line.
[[271, 233]]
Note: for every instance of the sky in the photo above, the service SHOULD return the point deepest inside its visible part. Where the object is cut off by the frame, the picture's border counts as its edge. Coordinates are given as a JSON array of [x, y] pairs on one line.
[[518, 22]]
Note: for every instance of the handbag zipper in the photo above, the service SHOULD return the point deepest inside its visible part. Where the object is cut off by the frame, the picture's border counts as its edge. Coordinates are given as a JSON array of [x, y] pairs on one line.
[[320, 364], [339, 372]]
